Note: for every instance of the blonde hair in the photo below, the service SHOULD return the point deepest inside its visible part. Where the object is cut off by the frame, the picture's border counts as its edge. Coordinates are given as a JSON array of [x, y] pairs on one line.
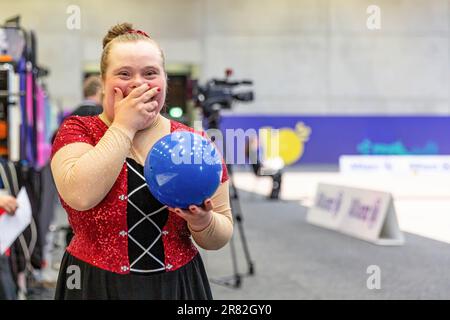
[[123, 32]]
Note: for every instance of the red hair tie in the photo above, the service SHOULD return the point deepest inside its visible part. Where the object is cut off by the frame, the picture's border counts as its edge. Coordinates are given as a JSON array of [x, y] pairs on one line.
[[139, 32]]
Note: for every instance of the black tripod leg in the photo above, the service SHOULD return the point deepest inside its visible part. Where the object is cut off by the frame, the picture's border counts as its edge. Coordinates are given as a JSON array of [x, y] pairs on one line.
[[236, 209], [236, 280], [237, 276]]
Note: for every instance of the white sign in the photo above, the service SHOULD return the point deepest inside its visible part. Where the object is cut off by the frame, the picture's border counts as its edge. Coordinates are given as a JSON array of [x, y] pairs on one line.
[[395, 164], [364, 214], [327, 206], [12, 226]]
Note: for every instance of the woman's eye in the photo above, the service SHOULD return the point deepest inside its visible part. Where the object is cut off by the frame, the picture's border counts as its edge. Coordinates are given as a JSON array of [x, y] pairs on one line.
[[150, 73]]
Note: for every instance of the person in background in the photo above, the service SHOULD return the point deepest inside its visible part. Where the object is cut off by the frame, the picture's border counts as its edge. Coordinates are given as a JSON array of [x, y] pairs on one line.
[[8, 205], [92, 103], [261, 166]]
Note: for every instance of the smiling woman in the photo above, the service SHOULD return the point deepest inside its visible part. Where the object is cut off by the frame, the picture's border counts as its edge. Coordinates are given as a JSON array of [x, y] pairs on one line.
[[130, 59], [127, 245]]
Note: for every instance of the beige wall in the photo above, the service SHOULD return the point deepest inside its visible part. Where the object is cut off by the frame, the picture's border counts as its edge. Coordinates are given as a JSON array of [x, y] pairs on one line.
[[305, 56]]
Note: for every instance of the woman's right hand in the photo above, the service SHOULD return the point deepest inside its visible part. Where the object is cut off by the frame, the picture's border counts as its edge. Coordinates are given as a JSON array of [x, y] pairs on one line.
[[9, 204], [136, 111]]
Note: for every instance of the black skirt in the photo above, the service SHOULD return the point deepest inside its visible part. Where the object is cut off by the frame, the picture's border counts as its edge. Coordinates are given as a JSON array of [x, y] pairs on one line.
[[79, 280]]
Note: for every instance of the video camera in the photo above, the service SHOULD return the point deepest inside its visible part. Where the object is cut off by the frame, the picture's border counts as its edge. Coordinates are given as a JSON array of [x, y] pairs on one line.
[[218, 94]]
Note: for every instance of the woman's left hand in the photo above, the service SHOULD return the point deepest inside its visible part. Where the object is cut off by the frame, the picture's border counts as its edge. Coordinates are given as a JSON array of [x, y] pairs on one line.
[[197, 217]]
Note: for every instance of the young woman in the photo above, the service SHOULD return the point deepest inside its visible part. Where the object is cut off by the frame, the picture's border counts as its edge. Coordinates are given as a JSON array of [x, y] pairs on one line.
[[127, 245]]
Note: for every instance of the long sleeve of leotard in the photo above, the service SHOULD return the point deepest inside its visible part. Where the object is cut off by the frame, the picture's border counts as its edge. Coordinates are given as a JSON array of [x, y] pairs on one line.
[[220, 229], [84, 173]]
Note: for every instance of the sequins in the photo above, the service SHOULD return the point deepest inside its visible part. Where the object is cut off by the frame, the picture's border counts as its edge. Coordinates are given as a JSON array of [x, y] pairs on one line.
[[178, 246], [100, 233]]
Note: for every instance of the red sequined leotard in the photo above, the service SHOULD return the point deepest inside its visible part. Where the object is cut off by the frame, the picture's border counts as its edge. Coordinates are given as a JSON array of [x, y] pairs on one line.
[[101, 233]]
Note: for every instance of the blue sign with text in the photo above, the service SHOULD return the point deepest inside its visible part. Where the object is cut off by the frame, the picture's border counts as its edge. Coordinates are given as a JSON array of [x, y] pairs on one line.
[[323, 139]]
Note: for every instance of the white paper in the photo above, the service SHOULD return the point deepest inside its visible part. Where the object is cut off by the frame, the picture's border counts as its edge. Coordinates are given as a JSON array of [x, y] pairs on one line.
[[12, 226]]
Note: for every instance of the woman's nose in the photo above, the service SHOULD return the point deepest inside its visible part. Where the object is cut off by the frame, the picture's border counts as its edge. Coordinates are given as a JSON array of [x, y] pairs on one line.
[[137, 82]]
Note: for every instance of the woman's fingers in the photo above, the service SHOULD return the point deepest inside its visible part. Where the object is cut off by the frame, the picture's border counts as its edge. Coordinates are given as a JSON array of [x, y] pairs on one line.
[[10, 208], [10, 205], [139, 91], [132, 113], [197, 217], [150, 112], [118, 96], [150, 106], [182, 213], [208, 205], [194, 209], [148, 95]]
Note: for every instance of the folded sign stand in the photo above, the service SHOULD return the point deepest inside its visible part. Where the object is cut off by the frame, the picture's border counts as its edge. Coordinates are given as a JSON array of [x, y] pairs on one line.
[[364, 214]]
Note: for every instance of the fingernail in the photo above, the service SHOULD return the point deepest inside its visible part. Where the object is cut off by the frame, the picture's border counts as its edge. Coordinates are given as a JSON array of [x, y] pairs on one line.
[[158, 90], [193, 208], [178, 211]]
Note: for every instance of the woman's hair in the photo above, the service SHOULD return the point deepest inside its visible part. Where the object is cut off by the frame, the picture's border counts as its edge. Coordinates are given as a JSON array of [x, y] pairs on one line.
[[123, 32]]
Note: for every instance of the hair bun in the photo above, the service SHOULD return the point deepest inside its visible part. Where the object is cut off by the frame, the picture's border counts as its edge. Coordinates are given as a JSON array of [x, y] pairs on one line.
[[116, 31]]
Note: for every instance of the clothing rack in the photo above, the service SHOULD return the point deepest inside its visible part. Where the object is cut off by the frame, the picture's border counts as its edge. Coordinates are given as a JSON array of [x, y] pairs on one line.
[[24, 100], [27, 125]]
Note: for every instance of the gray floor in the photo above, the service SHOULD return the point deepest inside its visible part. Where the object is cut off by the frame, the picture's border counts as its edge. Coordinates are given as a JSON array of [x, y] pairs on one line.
[[295, 260]]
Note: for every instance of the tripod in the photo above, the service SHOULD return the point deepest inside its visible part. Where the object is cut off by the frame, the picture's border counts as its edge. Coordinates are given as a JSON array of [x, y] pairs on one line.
[[235, 280]]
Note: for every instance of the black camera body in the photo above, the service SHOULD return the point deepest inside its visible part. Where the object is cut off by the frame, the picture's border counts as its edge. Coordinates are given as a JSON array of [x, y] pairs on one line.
[[216, 95]]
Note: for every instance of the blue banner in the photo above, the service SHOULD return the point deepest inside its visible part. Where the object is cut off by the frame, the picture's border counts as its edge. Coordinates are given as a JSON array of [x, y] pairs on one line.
[[322, 139]]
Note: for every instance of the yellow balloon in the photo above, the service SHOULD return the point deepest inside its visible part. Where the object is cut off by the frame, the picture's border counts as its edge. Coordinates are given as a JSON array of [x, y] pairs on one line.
[[291, 148], [284, 143]]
